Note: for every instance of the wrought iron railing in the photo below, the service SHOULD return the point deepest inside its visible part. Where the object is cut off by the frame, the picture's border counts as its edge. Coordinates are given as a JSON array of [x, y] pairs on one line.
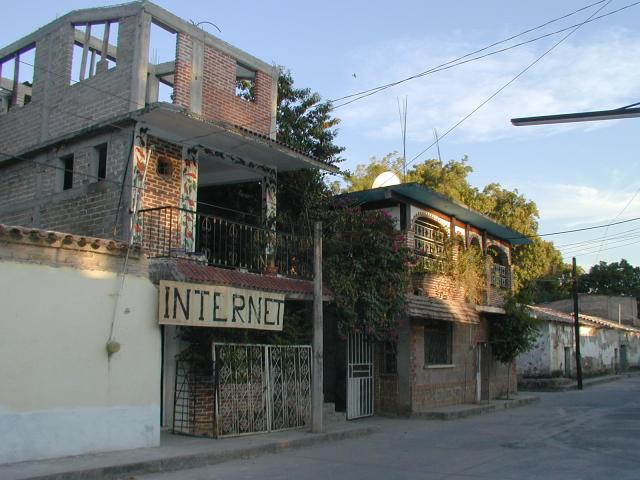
[[500, 276], [225, 243]]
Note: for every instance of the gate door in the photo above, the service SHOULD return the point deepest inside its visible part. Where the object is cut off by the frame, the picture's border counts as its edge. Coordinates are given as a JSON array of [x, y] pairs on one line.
[[359, 377], [261, 388]]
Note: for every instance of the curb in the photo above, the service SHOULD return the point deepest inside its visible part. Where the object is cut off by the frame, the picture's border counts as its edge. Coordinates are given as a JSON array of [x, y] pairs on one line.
[[587, 382], [477, 409], [184, 462]]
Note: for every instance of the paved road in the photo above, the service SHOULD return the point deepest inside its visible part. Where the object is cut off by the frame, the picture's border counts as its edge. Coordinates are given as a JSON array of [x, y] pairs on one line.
[[594, 434]]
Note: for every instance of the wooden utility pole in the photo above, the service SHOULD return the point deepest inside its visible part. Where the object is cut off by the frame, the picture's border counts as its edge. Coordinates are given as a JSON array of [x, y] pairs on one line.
[[576, 322], [317, 396]]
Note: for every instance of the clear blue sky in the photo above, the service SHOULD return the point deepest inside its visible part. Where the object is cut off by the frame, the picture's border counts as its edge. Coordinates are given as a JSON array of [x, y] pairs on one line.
[[579, 175]]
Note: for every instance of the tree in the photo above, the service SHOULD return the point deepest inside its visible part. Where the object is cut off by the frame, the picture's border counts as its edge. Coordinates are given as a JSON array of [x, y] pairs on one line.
[[513, 335], [365, 261], [616, 278], [304, 123]]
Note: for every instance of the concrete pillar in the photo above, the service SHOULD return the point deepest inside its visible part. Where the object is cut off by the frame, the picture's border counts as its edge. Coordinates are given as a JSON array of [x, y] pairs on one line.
[[140, 61], [197, 67]]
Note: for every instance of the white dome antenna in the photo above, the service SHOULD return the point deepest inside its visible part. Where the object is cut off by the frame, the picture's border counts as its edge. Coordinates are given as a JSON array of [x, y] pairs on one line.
[[386, 179]]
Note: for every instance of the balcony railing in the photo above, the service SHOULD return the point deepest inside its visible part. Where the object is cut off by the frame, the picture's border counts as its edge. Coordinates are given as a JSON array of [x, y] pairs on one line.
[[225, 243], [500, 276]]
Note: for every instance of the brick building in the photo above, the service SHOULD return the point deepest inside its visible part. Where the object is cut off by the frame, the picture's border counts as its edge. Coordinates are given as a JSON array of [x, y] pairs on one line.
[[443, 356], [132, 124]]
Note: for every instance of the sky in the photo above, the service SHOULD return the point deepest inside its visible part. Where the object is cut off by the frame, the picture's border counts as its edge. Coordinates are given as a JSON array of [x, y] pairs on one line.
[[580, 175]]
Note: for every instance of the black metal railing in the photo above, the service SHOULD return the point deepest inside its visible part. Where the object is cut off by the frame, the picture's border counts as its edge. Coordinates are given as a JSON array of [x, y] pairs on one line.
[[225, 243]]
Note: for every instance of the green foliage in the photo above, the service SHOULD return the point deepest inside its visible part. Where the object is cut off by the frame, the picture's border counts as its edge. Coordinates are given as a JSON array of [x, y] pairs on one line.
[[303, 196], [365, 265], [616, 278], [514, 334], [467, 269]]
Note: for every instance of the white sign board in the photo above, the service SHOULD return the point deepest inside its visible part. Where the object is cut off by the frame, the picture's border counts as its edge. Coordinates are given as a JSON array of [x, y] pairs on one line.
[[198, 305]]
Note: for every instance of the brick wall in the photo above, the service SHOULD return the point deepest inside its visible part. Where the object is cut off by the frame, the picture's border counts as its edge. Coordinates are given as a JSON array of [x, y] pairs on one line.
[[219, 101], [454, 384], [438, 286], [161, 191], [30, 195]]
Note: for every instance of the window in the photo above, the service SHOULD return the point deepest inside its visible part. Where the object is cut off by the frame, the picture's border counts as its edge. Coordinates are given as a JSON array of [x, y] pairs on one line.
[[499, 267], [100, 162], [389, 359], [163, 168], [65, 165], [94, 49], [245, 83], [16, 78], [429, 243], [438, 339]]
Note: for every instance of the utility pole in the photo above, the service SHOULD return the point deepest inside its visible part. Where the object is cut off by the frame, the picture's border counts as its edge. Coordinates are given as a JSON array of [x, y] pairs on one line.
[[576, 322], [317, 396]]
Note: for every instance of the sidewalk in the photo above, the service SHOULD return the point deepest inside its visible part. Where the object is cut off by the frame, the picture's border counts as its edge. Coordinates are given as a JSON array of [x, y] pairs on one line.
[[565, 384], [469, 409], [178, 452]]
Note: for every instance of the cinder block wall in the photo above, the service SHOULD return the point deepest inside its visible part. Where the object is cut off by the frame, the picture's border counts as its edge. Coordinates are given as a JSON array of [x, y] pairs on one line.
[[57, 107], [30, 197]]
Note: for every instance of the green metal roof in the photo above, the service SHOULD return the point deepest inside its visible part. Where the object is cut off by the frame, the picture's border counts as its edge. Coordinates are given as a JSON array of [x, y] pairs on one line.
[[415, 193]]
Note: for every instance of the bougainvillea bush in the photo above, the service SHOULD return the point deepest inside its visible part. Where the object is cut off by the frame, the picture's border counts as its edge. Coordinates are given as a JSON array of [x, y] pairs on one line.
[[366, 263]]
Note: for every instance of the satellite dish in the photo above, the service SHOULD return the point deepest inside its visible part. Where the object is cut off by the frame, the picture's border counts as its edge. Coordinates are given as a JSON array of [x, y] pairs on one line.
[[386, 179]]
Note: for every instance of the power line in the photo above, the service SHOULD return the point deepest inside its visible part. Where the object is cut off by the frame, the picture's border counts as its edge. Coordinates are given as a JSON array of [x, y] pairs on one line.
[[585, 248], [460, 60], [616, 217], [522, 72], [605, 249], [595, 240], [562, 232]]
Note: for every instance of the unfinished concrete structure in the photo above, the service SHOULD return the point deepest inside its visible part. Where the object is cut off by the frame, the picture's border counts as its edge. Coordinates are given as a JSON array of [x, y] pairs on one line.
[[67, 133], [130, 123]]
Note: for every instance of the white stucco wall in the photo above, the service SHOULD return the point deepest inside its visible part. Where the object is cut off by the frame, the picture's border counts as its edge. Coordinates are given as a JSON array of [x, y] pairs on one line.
[[537, 361], [61, 393]]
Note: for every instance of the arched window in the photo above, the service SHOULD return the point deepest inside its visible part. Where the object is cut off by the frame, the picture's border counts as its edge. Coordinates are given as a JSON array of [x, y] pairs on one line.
[[499, 267], [429, 239]]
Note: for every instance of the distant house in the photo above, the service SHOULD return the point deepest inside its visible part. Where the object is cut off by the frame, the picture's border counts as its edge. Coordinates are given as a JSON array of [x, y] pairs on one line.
[[612, 307], [606, 346], [442, 356]]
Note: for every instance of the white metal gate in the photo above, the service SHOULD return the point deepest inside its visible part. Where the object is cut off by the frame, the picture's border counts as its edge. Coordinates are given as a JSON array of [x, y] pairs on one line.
[[359, 376], [261, 388]]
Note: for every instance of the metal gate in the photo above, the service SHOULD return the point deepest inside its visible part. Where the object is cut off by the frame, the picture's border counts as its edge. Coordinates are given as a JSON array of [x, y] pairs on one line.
[[261, 388], [359, 376]]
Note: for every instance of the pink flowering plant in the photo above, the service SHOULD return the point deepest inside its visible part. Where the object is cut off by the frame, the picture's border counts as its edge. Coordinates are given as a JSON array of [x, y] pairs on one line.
[[366, 264]]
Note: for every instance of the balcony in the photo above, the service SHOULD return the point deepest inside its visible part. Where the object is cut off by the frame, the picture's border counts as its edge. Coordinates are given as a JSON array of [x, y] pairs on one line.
[[174, 232]]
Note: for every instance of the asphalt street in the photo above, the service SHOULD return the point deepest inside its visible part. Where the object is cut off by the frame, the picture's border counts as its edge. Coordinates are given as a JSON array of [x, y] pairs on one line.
[[592, 434]]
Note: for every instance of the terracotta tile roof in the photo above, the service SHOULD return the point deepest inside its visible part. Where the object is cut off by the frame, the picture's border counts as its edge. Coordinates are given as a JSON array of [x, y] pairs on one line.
[[190, 271], [551, 315], [418, 306], [52, 238]]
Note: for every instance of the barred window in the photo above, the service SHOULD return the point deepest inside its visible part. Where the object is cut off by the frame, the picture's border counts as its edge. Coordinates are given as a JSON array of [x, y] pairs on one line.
[[438, 339]]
